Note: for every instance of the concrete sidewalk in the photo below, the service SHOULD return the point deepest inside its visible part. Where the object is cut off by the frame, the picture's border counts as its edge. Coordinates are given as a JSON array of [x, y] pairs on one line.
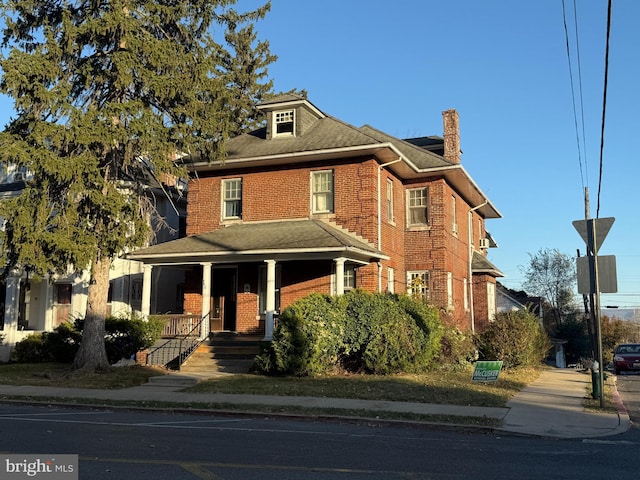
[[553, 407], [550, 407]]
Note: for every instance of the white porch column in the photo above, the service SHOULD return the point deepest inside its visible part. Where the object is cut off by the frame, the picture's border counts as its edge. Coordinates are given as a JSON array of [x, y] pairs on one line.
[[340, 275], [270, 300], [146, 291], [206, 300]]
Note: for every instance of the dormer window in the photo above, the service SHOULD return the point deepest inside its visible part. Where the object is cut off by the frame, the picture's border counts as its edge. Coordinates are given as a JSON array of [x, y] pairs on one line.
[[283, 123]]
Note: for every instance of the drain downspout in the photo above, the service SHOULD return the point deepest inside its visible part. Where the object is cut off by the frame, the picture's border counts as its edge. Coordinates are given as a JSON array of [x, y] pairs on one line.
[[380, 167]]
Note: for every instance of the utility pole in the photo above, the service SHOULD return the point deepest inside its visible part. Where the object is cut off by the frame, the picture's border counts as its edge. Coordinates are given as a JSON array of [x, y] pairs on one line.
[[596, 274]]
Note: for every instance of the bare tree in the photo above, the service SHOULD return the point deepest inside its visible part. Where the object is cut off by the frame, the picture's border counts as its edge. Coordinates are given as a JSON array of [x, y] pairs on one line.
[[552, 275]]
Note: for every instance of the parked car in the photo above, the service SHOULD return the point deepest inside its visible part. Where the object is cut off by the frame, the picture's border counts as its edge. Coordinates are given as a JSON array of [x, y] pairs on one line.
[[626, 357]]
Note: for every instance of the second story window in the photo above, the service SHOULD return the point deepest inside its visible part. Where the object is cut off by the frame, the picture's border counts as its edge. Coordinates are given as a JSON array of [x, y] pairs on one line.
[[283, 123], [418, 206], [322, 192], [232, 198], [390, 217], [454, 224]]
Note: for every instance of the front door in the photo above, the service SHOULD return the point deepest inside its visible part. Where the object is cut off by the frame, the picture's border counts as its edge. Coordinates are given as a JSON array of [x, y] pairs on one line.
[[223, 299]]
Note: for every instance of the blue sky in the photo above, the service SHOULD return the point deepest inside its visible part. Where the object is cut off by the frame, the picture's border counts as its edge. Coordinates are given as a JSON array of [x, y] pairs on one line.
[[503, 65]]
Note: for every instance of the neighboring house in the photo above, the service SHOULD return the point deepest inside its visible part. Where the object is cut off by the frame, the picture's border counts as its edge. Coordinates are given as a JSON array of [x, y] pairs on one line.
[[28, 305], [510, 300], [312, 204]]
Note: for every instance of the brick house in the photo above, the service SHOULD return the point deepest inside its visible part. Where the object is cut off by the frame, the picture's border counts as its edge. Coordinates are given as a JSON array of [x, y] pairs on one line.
[[309, 203]]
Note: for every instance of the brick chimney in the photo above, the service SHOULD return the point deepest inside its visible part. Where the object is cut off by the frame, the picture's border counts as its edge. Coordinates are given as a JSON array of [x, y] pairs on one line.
[[451, 135]]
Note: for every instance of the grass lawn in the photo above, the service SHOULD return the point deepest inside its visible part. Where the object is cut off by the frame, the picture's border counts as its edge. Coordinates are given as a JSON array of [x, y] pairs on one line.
[[436, 387], [443, 387], [62, 375]]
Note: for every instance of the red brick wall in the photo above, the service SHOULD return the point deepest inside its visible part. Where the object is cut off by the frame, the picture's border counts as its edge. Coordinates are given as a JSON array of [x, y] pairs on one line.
[[284, 193], [481, 308]]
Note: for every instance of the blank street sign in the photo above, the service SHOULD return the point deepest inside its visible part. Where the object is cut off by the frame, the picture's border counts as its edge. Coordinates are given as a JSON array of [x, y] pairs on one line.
[[607, 275]]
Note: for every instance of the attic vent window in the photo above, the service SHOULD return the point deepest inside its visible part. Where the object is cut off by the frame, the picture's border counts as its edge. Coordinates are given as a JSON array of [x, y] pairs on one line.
[[284, 123]]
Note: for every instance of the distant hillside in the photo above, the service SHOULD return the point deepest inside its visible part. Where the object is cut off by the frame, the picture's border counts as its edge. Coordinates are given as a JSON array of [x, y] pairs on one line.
[[631, 314]]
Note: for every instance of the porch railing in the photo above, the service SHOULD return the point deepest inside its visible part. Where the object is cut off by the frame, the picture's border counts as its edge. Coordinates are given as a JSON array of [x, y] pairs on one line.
[[177, 325], [181, 336]]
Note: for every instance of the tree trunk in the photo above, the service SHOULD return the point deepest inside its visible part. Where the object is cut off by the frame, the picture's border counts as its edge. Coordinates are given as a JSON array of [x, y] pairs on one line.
[[92, 355]]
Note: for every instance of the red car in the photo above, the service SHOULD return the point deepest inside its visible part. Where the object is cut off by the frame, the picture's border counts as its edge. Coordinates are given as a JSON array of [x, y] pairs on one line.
[[626, 357]]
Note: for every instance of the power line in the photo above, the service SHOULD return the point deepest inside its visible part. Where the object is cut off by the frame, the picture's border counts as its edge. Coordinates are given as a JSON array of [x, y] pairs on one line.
[[604, 104], [573, 94], [575, 21]]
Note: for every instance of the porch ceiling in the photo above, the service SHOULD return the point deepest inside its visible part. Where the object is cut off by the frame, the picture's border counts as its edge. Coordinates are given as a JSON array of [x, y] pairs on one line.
[[257, 241]]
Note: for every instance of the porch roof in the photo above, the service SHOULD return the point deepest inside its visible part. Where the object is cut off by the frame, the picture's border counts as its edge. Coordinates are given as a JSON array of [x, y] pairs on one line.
[[480, 264], [257, 241]]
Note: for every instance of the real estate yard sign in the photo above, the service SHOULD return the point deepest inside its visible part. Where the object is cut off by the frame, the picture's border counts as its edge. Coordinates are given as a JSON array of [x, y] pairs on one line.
[[486, 371]]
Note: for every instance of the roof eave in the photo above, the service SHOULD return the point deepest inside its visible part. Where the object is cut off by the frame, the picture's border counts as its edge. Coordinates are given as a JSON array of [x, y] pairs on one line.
[[352, 253]]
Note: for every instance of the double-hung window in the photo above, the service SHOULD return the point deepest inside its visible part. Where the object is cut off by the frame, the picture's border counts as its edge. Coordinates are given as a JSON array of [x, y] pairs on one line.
[[418, 285], [284, 123], [418, 206], [232, 199], [322, 191], [390, 216]]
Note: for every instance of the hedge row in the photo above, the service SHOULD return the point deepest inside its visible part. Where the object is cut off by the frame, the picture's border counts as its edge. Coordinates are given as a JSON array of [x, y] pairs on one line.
[[354, 332]]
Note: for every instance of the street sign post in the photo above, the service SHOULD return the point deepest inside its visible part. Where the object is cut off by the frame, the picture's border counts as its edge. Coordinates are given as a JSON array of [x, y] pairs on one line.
[[593, 232]]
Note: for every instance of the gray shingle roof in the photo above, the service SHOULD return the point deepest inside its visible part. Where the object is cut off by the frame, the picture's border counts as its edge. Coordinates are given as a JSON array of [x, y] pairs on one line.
[[287, 237], [326, 134], [480, 264], [420, 157]]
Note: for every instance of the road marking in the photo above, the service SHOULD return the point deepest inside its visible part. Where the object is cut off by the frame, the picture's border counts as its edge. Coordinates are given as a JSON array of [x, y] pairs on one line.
[[608, 442]]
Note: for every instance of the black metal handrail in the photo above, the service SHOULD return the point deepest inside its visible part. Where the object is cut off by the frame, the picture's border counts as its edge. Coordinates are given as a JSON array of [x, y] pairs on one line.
[[187, 343]]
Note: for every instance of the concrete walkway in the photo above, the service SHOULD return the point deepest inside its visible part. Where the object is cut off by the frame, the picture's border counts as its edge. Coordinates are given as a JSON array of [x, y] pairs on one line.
[[550, 407]]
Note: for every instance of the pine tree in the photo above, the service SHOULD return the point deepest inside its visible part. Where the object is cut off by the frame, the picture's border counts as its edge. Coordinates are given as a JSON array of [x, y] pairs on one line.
[[106, 92]]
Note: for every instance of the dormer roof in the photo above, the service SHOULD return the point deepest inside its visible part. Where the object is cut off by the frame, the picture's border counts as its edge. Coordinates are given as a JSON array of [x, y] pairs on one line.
[[317, 136]]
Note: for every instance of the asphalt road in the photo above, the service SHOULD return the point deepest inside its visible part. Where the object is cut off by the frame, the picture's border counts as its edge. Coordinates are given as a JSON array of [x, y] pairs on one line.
[[149, 445], [628, 385]]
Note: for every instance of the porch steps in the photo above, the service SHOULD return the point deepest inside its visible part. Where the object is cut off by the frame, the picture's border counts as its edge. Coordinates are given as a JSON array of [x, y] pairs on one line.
[[224, 353], [166, 351]]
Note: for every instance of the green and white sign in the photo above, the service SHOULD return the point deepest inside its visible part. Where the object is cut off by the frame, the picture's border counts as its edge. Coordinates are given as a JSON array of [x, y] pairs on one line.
[[486, 371]]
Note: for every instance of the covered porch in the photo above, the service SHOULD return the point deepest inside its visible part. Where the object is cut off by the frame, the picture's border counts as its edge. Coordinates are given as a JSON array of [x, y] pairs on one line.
[[240, 277]]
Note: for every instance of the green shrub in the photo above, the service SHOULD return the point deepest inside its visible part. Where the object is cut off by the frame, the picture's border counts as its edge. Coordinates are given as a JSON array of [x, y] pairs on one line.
[[63, 343], [516, 338], [458, 349], [357, 332], [124, 337], [31, 349], [307, 339]]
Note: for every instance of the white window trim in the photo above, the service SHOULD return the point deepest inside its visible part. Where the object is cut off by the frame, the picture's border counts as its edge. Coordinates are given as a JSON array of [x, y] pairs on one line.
[[390, 203], [331, 191], [223, 199], [425, 290], [426, 207], [351, 268], [288, 114], [454, 225]]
